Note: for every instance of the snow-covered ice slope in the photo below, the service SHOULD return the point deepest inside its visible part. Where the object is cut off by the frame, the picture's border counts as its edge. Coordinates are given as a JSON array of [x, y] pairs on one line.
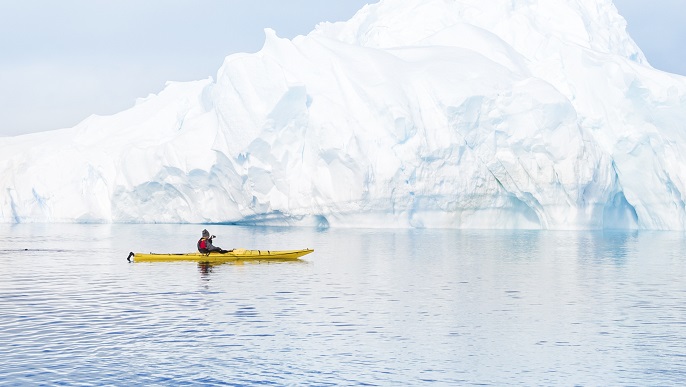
[[414, 113]]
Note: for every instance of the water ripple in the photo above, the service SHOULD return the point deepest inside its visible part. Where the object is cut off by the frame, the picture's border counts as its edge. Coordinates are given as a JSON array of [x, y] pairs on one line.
[[555, 309]]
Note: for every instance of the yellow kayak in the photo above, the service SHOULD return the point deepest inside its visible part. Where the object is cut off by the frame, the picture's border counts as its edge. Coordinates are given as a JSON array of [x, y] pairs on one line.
[[215, 257]]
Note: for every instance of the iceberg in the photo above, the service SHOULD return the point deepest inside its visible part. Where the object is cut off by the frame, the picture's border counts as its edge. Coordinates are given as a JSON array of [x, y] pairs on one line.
[[534, 114]]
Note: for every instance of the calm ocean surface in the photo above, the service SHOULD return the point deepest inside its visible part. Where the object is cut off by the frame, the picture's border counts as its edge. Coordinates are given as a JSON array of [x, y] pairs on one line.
[[368, 307]]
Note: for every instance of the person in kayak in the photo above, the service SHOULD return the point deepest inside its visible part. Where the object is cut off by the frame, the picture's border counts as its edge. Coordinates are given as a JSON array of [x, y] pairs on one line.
[[205, 245]]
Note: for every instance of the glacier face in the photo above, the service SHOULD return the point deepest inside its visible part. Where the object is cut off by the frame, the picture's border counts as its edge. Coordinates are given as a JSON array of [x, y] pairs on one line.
[[414, 113]]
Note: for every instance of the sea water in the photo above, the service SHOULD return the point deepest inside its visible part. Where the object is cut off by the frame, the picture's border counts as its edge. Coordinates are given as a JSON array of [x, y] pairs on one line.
[[368, 307]]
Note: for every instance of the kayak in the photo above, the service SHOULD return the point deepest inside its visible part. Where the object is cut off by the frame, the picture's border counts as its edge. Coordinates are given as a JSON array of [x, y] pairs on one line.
[[216, 257]]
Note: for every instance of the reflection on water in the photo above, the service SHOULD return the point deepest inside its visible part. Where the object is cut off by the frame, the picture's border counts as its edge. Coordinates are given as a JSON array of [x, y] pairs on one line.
[[376, 307], [205, 269]]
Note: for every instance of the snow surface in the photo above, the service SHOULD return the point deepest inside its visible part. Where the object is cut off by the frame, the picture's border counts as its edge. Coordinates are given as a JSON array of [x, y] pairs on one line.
[[540, 114]]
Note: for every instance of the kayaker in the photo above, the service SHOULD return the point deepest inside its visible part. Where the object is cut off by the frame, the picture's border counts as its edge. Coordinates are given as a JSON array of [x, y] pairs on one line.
[[205, 245]]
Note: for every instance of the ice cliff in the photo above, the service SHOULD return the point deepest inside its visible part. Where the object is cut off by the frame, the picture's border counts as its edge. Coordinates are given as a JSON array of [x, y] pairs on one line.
[[414, 113]]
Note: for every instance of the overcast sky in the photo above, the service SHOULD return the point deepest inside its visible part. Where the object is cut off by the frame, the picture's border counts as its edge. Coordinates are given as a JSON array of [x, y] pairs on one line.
[[61, 61]]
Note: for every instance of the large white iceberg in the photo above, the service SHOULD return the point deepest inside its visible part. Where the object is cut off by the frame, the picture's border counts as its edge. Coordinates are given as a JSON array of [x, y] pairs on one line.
[[414, 113]]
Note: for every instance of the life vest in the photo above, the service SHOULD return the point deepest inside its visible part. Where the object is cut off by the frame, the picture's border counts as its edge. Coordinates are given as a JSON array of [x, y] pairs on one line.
[[202, 245]]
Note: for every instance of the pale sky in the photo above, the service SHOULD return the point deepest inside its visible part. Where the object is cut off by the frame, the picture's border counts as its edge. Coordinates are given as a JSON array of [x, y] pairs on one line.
[[61, 61]]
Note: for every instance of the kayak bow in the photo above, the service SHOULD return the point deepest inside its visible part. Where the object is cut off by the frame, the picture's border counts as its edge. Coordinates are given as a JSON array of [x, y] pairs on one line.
[[215, 257]]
